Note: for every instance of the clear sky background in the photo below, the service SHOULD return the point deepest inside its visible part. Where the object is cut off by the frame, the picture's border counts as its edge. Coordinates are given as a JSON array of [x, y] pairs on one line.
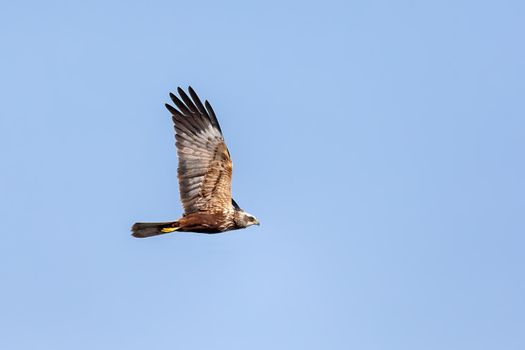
[[380, 143]]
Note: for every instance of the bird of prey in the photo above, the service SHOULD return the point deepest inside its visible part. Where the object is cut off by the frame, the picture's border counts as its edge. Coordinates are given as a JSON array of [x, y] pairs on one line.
[[204, 172]]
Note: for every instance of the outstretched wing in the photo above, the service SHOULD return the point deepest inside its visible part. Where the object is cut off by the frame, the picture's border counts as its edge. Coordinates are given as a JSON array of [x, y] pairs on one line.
[[205, 167]]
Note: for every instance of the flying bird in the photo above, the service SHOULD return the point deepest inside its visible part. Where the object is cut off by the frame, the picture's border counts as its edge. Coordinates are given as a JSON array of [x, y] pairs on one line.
[[204, 173]]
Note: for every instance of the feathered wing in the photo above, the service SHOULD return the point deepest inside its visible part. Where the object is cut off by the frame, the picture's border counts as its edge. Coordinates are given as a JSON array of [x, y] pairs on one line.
[[205, 167]]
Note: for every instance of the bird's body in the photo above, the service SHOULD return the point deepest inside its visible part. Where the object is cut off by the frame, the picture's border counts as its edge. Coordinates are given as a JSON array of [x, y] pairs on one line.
[[204, 173]]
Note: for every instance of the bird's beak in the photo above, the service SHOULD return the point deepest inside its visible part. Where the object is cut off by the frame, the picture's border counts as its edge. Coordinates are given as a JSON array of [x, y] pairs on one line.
[[257, 222]]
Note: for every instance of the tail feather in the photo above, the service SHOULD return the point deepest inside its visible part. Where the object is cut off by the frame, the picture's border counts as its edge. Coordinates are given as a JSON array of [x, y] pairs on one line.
[[149, 229]]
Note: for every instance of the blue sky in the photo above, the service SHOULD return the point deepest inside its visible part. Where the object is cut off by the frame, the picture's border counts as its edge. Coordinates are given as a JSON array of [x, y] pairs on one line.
[[380, 144]]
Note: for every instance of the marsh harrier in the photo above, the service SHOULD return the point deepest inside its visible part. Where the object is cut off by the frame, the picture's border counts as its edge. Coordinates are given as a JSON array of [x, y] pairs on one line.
[[204, 172]]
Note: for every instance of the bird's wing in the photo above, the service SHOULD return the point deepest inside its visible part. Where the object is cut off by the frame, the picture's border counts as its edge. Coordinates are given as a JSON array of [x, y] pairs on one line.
[[205, 167]]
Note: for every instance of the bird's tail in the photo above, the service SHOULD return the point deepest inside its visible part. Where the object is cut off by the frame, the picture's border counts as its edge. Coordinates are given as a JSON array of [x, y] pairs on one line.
[[148, 229]]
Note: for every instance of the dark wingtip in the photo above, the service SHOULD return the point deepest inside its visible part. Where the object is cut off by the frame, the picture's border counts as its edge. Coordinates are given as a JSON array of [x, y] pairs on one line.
[[211, 113], [170, 108], [235, 205], [182, 107]]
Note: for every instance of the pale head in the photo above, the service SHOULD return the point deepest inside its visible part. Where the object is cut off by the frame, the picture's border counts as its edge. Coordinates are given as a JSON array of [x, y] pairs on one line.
[[244, 219]]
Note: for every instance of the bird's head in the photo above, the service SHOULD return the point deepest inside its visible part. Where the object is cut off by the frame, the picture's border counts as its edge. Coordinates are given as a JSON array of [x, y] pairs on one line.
[[244, 219]]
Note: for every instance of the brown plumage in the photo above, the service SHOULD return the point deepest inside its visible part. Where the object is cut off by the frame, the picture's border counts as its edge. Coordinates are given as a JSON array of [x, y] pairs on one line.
[[204, 173]]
